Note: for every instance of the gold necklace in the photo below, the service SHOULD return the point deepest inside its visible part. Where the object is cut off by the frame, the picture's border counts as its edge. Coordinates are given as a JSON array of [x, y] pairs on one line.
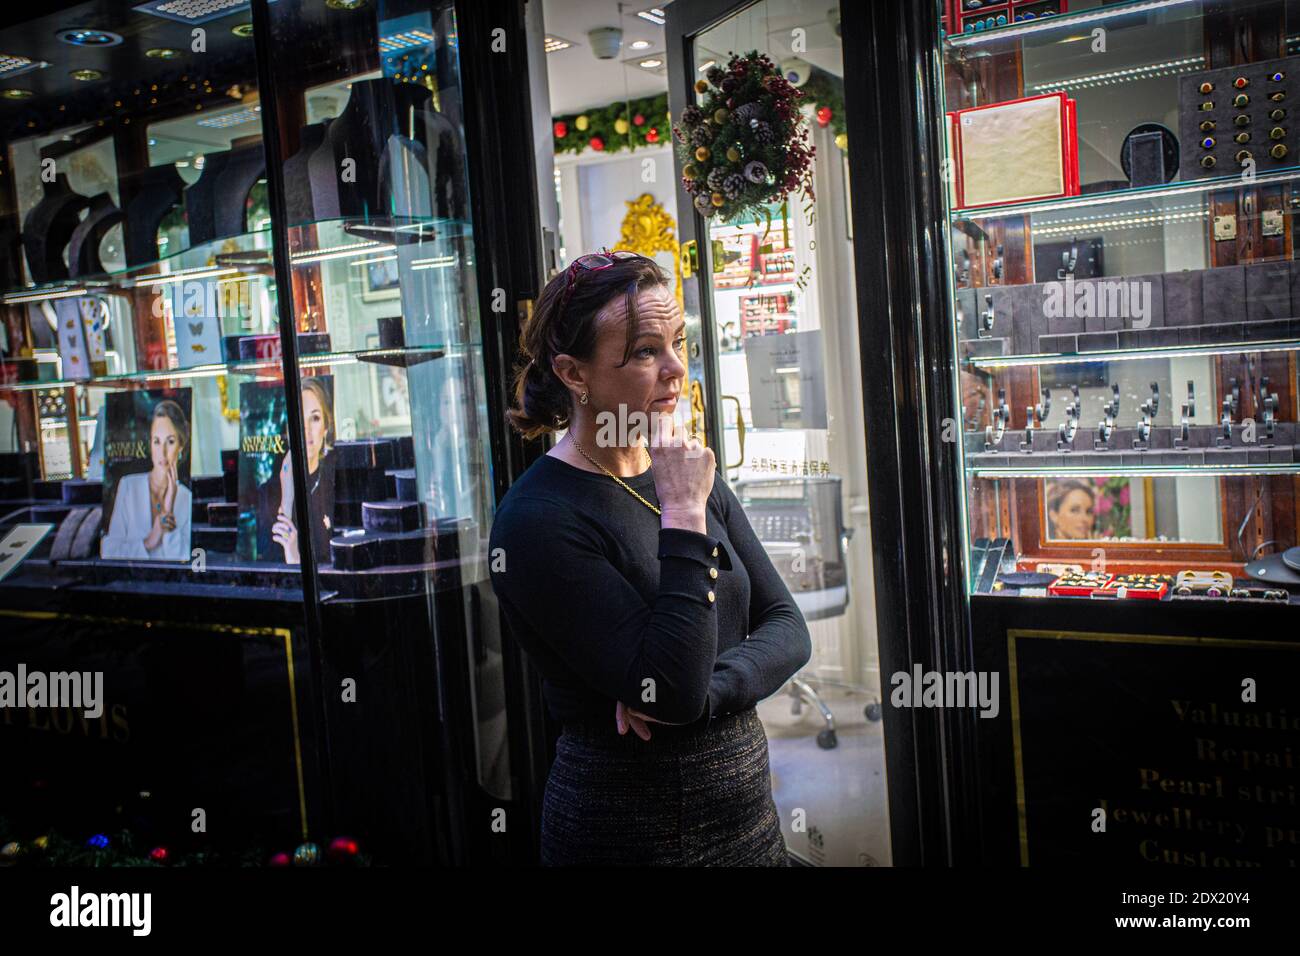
[[582, 451]]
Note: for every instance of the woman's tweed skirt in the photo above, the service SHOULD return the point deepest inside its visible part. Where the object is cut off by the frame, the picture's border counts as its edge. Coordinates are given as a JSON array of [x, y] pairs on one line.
[[701, 797]]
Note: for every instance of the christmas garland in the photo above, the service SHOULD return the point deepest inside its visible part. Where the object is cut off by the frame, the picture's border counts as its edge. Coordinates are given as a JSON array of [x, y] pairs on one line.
[[603, 129], [745, 144], [627, 124], [826, 93]]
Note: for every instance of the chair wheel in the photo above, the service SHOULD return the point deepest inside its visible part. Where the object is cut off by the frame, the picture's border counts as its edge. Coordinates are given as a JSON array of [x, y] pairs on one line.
[[827, 740], [872, 712]]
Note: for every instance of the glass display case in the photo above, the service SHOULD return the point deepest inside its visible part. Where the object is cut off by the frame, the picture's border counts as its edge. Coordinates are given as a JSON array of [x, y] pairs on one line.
[[243, 375], [144, 274], [1124, 298]]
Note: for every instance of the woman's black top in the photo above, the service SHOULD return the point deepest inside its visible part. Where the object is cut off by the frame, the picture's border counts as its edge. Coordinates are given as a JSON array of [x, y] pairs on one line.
[[612, 607]]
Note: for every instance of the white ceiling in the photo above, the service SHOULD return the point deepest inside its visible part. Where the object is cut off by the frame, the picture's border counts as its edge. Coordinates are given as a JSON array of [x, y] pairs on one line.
[[577, 79], [580, 81]]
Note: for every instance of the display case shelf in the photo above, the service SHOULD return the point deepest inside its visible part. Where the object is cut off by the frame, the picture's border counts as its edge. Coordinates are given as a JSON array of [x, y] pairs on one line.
[[1135, 471], [404, 357], [251, 257], [165, 269], [1199, 188], [1010, 33], [991, 362]]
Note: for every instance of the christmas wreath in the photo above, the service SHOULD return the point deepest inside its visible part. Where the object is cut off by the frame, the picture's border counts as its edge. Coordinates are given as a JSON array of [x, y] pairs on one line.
[[745, 144]]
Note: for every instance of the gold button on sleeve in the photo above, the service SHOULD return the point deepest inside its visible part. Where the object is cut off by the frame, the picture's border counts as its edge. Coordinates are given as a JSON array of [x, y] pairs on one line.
[[711, 597], [713, 573]]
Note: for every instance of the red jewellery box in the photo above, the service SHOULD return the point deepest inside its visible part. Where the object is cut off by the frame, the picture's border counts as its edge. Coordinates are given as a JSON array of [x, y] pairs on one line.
[[1017, 151], [1078, 584], [1150, 587]]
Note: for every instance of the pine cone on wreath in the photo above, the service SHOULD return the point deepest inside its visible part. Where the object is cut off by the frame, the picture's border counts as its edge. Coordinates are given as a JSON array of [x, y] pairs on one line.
[[732, 185], [756, 172], [701, 136], [762, 131], [716, 177]]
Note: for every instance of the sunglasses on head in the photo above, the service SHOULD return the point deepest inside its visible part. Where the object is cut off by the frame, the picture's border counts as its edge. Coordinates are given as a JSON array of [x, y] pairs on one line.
[[592, 262]]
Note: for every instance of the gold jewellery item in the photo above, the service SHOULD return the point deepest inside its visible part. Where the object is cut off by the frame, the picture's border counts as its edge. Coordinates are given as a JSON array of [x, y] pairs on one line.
[[626, 487]]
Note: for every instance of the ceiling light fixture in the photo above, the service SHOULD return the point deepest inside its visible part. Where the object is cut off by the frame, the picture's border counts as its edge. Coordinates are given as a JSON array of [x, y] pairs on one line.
[[191, 12], [226, 120], [554, 44], [651, 63], [405, 40], [83, 36], [17, 94], [162, 53], [640, 45], [242, 30], [654, 15], [18, 65], [86, 76]]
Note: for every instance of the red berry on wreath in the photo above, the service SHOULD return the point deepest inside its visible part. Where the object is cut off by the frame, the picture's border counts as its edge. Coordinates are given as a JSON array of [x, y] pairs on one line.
[[159, 854], [652, 135], [597, 143], [823, 116], [561, 129], [638, 120], [279, 859]]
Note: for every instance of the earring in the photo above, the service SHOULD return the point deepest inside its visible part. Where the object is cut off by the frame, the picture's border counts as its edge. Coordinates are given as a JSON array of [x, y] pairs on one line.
[[583, 398]]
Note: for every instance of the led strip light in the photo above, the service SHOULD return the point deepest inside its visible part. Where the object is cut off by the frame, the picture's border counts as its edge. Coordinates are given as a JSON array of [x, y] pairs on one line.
[[1172, 68], [1132, 354]]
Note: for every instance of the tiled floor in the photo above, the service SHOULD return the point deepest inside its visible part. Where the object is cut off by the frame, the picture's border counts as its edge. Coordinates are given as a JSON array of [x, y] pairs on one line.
[[841, 791]]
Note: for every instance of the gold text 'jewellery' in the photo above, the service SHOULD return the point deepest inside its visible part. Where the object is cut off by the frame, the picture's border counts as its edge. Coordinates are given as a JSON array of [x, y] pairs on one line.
[[582, 451]]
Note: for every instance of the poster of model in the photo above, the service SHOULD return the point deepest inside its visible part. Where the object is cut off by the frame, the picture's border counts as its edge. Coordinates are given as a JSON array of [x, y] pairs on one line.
[[147, 500], [268, 528]]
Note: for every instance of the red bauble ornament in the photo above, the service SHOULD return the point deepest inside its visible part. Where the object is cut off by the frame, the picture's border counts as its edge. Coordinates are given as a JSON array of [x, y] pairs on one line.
[[652, 135], [159, 854], [280, 859], [342, 849], [597, 143], [638, 120], [561, 129], [823, 115]]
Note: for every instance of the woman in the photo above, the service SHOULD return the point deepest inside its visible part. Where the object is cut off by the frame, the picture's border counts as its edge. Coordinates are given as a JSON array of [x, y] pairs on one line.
[[1070, 509], [634, 580], [276, 495], [151, 510]]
